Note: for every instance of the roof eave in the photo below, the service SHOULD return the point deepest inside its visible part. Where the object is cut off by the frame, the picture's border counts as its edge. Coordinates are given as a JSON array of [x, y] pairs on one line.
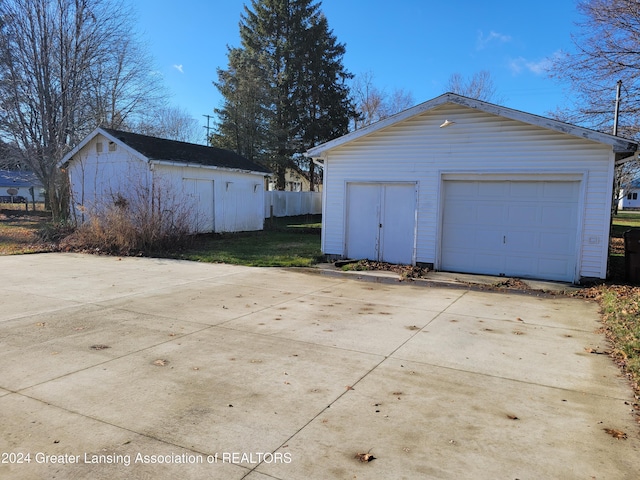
[[99, 131], [174, 163]]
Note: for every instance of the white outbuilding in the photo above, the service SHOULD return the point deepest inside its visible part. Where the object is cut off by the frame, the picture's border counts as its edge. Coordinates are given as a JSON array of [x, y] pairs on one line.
[[630, 196], [220, 190], [463, 185]]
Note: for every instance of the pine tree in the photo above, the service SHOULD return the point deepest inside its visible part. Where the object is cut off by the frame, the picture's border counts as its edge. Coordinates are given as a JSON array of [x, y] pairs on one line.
[[326, 107], [284, 89], [243, 119]]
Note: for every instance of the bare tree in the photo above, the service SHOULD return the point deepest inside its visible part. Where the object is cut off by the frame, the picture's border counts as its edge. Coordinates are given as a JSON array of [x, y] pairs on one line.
[[607, 50], [399, 99], [173, 123], [480, 86], [123, 85], [65, 66], [374, 104], [9, 156]]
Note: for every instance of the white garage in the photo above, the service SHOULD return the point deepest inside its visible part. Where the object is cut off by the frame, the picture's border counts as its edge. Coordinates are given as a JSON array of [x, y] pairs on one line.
[[463, 185], [525, 228], [219, 190]]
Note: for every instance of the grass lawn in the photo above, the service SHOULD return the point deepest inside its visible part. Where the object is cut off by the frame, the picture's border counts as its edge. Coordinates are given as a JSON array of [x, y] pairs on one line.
[[285, 242], [18, 230], [620, 303], [623, 221]]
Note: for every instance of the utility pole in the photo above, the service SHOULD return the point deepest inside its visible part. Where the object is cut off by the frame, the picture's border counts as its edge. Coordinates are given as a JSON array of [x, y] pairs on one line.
[[616, 177], [209, 117], [615, 116]]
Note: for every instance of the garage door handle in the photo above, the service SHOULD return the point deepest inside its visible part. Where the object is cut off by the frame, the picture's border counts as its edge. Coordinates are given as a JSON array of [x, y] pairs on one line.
[[380, 226], [504, 239]]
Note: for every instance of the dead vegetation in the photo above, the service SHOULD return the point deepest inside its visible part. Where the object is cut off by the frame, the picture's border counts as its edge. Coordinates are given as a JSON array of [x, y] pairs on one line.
[[511, 283], [404, 271], [620, 313], [148, 220], [19, 232]]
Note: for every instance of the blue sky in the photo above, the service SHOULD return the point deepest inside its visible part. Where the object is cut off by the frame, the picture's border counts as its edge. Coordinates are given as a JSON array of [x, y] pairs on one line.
[[411, 44]]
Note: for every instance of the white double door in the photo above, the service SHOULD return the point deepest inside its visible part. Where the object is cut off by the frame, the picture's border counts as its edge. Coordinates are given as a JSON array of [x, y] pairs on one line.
[[381, 220]]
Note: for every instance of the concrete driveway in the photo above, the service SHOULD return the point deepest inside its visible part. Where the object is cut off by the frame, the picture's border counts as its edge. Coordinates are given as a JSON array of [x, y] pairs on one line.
[[146, 368]]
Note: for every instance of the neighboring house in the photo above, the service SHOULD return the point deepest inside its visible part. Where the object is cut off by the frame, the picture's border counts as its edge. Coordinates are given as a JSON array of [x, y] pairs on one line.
[[629, 196], [19, 185], [297, 180], [223, 191], [467, 186]]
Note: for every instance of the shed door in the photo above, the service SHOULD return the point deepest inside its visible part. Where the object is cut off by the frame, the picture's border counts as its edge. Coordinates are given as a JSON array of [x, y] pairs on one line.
[[381, 221], [511, 228], [200, 198]]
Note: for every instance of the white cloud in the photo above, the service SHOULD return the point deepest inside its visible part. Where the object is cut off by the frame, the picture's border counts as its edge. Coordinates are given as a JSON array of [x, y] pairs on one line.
[[484, 40], [178, 67], [537, 67]]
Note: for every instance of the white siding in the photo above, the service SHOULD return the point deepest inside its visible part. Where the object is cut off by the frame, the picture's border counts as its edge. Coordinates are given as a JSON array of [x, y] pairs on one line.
[[97, 178], [478, 143], [238, 197], [23, 192]]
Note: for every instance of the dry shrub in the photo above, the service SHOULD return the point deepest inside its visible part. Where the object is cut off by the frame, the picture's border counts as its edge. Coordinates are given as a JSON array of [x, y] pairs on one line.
[[149, 220]]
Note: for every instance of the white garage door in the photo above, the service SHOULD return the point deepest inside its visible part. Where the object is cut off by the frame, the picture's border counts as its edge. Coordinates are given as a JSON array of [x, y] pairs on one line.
[[511, 228], [381, 221], [199, 193]]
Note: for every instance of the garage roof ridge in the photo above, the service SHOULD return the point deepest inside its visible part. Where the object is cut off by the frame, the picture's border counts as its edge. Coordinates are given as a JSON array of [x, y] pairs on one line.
[[620, 145], [162, 149]]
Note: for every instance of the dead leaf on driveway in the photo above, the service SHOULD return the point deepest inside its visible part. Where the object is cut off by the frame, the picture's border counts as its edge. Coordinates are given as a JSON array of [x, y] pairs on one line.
[[160, 362], [595, 351], [41, 324], [365, 457], [617, 434], [349, 387]]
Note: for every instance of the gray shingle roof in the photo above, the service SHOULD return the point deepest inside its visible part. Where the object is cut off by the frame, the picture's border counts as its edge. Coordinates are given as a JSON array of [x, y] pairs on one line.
[[173, 151], [18, 178]]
